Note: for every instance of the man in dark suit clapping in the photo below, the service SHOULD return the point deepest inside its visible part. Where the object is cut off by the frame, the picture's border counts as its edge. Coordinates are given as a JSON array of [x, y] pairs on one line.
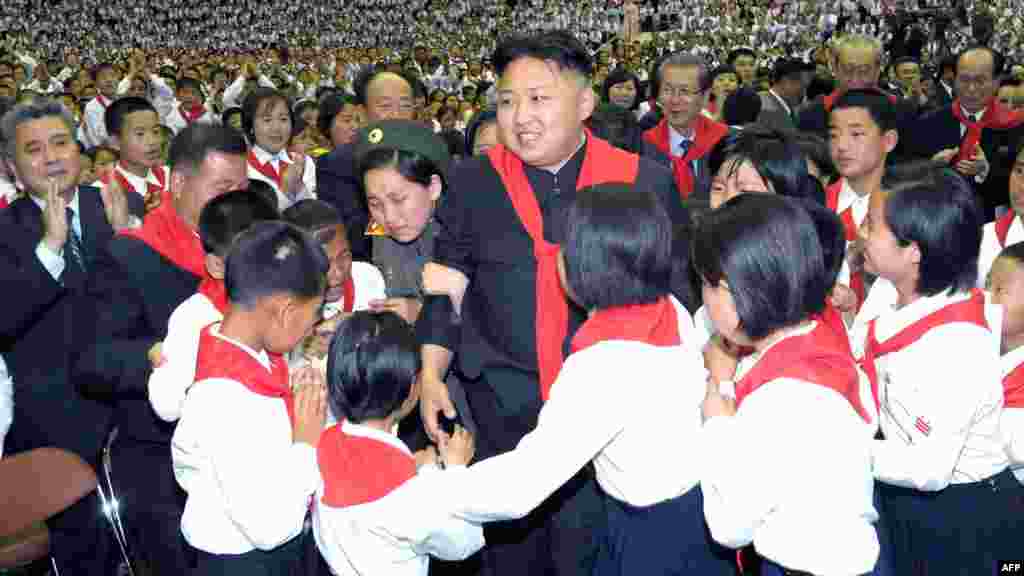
[[49, 239]]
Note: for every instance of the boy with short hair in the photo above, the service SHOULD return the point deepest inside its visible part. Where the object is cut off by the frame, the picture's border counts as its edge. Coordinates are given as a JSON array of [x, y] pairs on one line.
[[220, 222], [94, 131], [134, 128], [245, 447]]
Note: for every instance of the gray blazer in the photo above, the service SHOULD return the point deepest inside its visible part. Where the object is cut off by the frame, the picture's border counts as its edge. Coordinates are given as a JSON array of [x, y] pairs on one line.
[[401, 264], [773, 114]]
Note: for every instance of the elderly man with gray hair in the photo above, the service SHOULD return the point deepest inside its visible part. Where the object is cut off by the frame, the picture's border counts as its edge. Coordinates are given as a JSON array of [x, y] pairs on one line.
[[49, 238]]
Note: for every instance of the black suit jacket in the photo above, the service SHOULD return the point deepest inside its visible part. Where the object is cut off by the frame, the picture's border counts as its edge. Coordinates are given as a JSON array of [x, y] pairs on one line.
[[44, 326], [134, 292], [939, 130], [338, 184]]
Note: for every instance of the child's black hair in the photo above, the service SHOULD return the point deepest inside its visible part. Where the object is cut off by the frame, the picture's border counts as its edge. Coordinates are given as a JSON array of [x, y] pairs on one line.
[[317, 217], [272, 258], [372, 364], [115, 114], [227, 216]]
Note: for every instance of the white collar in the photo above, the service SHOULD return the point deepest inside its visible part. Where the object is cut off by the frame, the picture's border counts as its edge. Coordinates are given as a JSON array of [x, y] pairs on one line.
[[260, 356], [893, 322], [392, 440], [1011, 360], [973, 117], [848, 197], [137, 182], [42, 203], [263, 156]]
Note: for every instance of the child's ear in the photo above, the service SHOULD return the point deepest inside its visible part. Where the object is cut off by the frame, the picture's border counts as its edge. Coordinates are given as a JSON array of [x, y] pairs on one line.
[[215, 266]]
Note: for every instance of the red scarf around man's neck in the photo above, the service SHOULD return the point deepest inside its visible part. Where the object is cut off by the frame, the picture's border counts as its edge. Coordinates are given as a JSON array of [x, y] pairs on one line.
[[706, 134], [220, 358], [602, 164], [656, 324], [165, 232], [996, 117], [191, 114]]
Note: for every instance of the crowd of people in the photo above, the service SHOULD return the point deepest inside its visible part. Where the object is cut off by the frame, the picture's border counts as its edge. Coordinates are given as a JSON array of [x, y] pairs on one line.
[[488, 287]]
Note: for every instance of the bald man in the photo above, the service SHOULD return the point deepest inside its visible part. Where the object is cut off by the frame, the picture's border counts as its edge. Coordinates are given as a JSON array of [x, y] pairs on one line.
[[380, 95]]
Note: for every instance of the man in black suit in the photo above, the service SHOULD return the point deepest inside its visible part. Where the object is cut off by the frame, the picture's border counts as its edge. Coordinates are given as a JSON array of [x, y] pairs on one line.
[[941, 134], [382, 95], [50, 239], [141, 278]]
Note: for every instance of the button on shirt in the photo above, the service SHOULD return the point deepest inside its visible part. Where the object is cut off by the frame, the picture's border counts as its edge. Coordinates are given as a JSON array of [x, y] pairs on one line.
[[54, 261]]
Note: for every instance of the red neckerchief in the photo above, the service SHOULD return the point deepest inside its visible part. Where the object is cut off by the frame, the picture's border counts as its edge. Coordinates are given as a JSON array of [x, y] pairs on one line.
[[103, 101], [1013, 388], [656, 324], [358, 470], [996, 117], [267, 169], [819, 357], [1003, 227], [348, 290], [601, 164], [219, 358], [706, 133], [191, 114], [971, 310], [3, 202], [151, 188], [830, 99], [165, 232], [850, 229], [831, 317], [216, 292]]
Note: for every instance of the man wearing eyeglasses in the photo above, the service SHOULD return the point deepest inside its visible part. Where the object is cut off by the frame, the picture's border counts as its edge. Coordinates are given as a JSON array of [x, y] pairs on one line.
[[682, 83], [969, 133]]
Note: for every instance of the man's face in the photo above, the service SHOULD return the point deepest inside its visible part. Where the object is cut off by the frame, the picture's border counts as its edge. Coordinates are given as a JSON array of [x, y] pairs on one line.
[[541, 109], [908, 74], [975, 80], [857, 68], [218, 174], [45, 151], [389, 97], [681, 96], [746, 69]]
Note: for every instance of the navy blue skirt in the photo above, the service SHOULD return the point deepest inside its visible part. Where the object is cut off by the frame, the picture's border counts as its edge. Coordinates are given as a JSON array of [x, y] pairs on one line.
[[285, 560], [963, 529], [666, 538]]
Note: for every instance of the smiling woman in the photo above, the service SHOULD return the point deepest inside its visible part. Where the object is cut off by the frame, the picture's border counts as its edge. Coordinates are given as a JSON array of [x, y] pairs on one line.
[[267, 122]]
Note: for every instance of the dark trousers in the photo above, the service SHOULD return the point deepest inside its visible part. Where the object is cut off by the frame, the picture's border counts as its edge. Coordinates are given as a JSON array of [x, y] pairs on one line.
[[285, 560], [962, 529], [81, 541], [151, 504], [561, 536]]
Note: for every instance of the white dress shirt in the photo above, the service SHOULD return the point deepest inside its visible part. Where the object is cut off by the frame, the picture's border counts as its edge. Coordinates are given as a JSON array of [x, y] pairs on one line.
[[6, 403], [791, 472], [676, 139], [249, 485], [396, 534], [94, 129], [1012, 422], [630, 407], [54, 261], [169, 382], [941, 399], [990, 246], [276, 160]]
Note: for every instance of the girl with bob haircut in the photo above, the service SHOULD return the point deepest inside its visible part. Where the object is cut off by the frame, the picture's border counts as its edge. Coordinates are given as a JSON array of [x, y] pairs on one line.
[[363, 523], [267, 123], [616, 262], [793, 407], [932, 351]]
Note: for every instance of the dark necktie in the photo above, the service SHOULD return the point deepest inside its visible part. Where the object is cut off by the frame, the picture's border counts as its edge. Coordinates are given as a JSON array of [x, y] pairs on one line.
[[684, 148], [74, 255]]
